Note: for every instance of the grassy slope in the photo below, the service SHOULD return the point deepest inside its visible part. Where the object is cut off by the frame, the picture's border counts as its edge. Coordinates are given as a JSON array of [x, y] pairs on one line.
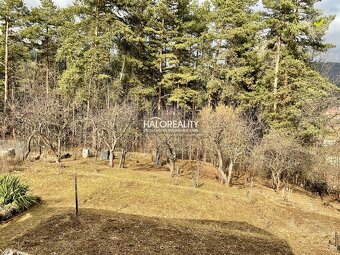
[[304, 223]]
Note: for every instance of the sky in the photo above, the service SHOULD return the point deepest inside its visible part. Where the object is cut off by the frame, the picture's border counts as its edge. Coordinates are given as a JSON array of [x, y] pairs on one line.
[[330, 7]]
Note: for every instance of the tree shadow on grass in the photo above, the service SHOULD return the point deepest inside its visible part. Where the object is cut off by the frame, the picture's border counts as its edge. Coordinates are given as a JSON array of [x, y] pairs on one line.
[[105, 232]]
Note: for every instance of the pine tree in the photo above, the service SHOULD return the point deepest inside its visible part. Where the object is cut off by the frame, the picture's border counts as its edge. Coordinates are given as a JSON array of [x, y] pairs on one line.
[[43, 36], [132, 59], [292, 37], [86, 43], [171, 36], [12, 14], [231, 59]]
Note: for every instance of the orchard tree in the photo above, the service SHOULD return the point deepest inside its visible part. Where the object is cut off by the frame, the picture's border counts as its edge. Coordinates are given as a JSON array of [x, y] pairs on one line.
[[228, 136], [114, 124], [49, 120], [127, 142], [279, 156]]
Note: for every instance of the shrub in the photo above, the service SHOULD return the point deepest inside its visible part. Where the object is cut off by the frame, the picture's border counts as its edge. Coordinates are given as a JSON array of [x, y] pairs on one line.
[[14, 197], [320, 187], [281, 158]]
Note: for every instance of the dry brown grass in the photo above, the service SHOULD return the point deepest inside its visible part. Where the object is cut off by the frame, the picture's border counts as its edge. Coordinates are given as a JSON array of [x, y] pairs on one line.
[[141, 189]]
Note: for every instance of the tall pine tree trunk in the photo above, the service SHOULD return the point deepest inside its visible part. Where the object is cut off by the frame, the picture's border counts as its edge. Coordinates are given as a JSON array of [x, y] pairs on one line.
[[47, 78], [6, 69], [159, 103], [122, 70], [276, 72]]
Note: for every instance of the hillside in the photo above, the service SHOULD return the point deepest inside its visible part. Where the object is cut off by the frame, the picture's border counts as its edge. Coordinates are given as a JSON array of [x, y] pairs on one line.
[[141, 209], [331, 71]]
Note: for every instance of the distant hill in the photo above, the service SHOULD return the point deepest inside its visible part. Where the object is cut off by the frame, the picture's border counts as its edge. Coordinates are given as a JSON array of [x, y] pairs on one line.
[[330, 70]]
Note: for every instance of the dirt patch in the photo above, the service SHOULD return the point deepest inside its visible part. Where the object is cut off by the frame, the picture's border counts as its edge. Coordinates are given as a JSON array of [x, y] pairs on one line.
[[104, 232]]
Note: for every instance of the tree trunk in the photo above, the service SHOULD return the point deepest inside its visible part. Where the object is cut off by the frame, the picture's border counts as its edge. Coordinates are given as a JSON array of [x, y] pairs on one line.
[[158, 157], [159, 103], [59, 150], [276, 74], [197, 174], [73, 123], [122, 71], [6, 69], [276, 182], [47, 78], [172, 166], [40, 146], [204, 155], [230, 172], [111, 157], [28, 146], [87, 119], [223, 176], [122, 159]]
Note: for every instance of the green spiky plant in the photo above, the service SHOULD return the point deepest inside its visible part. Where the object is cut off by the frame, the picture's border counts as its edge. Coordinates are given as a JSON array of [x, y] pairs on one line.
[[14, 197]]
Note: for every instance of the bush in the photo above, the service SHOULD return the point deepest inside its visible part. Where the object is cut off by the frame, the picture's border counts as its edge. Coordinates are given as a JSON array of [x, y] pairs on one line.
[[319, 187], [284, 160], [14, 197]]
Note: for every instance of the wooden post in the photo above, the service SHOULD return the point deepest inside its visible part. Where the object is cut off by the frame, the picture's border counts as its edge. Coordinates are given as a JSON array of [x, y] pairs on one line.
[[197, 174], [177, 171], [336, 241], [76, 192], [251, 187]]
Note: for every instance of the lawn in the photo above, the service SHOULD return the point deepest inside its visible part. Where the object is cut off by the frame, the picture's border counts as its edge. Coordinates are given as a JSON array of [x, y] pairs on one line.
[[140, 208]]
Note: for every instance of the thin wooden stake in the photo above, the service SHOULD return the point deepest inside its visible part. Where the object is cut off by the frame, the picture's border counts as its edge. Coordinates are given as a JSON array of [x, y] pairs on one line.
[[336, 240], [76, 192], [197, 174]]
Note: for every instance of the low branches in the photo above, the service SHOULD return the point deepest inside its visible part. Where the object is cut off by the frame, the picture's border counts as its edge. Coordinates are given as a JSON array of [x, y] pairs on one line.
[[116, 125], [47, 120], [228, 136]]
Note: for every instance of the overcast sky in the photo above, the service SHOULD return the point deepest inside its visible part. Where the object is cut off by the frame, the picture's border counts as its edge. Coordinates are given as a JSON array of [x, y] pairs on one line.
[[329, 6]]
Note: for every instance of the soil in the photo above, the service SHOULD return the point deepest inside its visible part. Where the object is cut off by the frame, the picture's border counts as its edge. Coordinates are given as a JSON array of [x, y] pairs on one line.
[[104, 232]]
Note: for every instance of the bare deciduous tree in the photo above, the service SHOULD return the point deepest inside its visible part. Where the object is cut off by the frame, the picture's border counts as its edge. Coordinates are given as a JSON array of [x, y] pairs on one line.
[[172, 141], [278, 157], [126, 143], [168, 142], [113, 123], [47, 119], [228, 136]]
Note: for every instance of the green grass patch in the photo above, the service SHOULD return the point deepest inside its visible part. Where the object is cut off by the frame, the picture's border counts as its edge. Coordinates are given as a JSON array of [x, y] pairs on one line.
[[14, 197]]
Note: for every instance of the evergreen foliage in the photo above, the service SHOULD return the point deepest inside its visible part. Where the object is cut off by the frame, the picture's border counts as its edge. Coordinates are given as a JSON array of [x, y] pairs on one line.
[[160, 54]]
